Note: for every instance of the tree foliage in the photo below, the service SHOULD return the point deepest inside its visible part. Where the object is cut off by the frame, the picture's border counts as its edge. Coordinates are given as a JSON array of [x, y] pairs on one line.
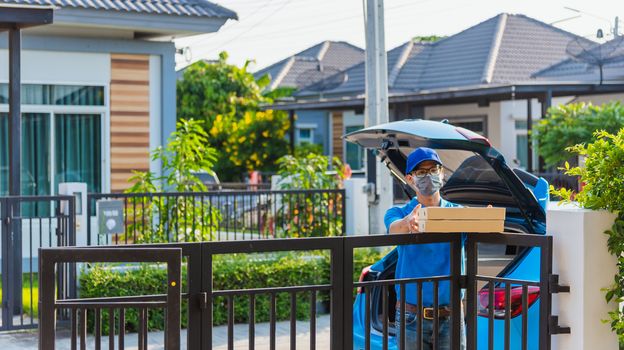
[[572, 124], [227, 99], [603, 177]]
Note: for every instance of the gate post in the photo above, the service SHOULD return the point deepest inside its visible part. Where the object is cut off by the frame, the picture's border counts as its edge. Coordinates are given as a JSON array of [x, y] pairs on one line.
[[456, 286], [4, 223]]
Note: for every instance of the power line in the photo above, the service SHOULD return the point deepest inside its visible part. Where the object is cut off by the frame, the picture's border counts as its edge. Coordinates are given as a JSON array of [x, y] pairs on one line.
[[286, 32]]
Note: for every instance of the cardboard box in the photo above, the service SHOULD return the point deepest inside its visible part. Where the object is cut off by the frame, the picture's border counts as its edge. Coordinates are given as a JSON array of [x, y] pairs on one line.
[[461, 226], [439, 213]]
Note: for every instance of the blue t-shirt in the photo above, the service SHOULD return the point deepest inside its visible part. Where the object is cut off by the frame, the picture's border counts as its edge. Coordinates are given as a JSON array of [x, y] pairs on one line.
[[422, 260]]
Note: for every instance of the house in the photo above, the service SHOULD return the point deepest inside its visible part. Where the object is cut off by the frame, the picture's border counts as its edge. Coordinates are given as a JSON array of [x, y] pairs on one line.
[[98, 89], [481, 79], [307, 68]]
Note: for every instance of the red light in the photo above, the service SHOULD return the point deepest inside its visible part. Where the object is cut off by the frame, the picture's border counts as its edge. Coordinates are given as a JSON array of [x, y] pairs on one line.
[[362, 275], [500, 302]]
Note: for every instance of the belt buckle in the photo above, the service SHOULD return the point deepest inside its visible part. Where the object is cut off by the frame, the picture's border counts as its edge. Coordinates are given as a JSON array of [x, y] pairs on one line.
[[428, 313]]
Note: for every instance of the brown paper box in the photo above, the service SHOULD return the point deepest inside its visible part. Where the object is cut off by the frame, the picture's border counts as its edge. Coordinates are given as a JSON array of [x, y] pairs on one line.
[[461, 225], [439, 213]]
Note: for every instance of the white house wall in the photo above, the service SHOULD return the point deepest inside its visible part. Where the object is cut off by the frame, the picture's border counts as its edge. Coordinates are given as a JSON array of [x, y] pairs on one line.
[[600, 99], [54, 67]]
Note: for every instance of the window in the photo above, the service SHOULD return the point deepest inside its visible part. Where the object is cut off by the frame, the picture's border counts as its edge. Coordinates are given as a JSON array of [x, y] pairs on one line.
[[354, 153], [57, 145], [522, 143], [305, 135]]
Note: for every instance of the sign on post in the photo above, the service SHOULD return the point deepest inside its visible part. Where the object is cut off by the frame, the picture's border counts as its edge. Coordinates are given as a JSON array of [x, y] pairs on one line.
[[110, 217]]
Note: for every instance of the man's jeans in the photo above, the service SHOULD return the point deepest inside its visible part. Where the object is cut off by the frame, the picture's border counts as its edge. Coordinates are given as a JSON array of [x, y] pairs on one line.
[[411, 332]]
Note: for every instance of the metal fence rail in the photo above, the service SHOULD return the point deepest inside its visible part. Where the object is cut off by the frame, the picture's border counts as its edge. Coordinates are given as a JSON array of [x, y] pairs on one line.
[[375, 299], [222, 215], [53, 258]]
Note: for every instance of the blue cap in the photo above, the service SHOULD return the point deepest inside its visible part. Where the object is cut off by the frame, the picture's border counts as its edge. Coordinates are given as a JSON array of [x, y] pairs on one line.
[[420, 155]]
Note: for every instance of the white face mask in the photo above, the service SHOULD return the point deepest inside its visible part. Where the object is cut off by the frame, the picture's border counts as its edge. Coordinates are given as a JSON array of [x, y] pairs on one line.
[[428, 184]]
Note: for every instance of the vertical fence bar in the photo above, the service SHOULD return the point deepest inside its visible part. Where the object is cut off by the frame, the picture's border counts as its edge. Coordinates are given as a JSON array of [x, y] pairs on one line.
[[419, 332], [491, 315], [83, 329], [471, 283], [122, 329], [313, 320], [230, 322], [367, 317], [252, 321], [545, 295], [293, 321], [507, 315], [436, 314], [525, 305], [402, 321], [456, 307], [384, 315], [272, 321]]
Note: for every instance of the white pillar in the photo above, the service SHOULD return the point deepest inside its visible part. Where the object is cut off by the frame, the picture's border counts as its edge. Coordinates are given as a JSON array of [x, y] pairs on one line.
[[581, 259], [356, 207], [377, 104]]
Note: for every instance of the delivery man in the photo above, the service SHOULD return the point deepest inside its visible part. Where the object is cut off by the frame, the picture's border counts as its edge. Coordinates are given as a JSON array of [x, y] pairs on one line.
[[424, 172]]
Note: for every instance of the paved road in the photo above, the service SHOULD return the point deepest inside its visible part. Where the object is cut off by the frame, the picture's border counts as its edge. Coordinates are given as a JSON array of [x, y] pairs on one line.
[[28, 340]]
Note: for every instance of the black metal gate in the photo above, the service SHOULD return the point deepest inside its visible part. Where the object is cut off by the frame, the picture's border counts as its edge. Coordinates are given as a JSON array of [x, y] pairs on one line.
[[26, 224], [491, 301]]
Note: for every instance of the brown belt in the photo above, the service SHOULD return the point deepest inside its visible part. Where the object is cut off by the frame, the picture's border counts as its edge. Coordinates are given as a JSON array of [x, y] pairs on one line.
[[427, 312]]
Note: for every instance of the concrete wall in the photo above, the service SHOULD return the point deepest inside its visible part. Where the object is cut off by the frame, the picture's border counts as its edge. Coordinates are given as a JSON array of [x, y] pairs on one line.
[[581, 260], [459, 111]]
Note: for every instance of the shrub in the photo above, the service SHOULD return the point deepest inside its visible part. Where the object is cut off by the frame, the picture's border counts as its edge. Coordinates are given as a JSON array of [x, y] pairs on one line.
[[231, 272], [604, 189], [572, 124]]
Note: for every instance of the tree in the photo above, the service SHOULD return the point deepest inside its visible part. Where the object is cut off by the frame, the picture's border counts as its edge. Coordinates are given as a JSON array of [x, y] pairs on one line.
[[228, 100], [572, 124]]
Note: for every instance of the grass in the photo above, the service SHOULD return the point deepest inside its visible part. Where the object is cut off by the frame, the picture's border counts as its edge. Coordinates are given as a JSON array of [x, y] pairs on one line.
[[30, 296]]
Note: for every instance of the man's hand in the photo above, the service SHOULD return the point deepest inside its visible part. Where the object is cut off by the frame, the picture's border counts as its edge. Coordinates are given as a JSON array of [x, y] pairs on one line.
[[412, 220]]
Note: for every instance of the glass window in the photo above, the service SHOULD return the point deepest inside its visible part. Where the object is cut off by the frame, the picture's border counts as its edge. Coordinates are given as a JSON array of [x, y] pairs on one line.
[[305, 135], [78, 152], [35, 174], [60, 95], [354, 153], [522, 150]]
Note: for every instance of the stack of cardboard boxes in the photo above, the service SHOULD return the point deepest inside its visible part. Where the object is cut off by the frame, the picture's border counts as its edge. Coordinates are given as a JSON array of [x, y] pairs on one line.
[[437, 219]]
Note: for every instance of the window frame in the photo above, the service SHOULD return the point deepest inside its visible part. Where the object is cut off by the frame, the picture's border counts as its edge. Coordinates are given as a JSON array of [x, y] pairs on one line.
[[52, 110]]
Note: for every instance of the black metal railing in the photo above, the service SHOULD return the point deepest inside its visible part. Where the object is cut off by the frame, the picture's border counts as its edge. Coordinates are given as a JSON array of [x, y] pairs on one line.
[[489, 314], [26, 224], [222, 215], [54, 258]]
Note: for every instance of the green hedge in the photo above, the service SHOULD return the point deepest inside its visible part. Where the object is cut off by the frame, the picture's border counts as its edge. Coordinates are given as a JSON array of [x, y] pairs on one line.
[[230, 272]]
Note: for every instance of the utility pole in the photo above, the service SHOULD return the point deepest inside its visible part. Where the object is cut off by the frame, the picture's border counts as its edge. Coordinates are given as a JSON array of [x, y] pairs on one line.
[[616, 27], [376, 112]]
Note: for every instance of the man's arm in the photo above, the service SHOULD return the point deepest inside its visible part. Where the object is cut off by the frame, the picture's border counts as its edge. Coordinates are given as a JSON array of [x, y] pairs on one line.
[[408, 224]]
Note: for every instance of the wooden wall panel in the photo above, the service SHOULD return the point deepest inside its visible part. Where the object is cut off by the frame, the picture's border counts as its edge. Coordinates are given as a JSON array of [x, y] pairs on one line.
[[337, 132], [129, 116]]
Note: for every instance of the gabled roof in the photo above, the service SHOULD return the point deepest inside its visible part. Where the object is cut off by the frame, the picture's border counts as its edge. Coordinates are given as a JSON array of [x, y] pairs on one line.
[[196, 8], [584, 67], [504, 49], [337, 55]]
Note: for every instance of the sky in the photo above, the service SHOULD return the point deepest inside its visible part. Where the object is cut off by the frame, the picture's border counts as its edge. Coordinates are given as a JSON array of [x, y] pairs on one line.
[[270, 30]]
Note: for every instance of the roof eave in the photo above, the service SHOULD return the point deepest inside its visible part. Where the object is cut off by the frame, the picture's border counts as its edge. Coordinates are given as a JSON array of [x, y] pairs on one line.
[[469, 94], [158, 24]]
